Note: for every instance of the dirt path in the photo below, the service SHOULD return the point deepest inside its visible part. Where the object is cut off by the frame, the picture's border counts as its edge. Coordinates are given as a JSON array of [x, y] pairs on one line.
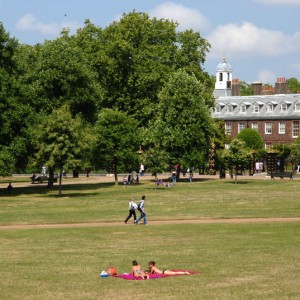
[[154, 223]]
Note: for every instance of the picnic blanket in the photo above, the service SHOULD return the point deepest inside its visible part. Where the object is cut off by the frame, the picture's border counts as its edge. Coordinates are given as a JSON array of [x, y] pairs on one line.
[[128, 276]]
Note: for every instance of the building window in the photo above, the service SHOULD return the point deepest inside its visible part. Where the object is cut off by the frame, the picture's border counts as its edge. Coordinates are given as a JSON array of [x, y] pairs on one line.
[[228, 128], [268, 146], [270, 107], [268, 128], [229, 108], [283, 107], [295, 129], [281, 128], [218, 108], [241, 126], [297, 106], [254, 126], [243, 108], [255, 108], [221, 77]]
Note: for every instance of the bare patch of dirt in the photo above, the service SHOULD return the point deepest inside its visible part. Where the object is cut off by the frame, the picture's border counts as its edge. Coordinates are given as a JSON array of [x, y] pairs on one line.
[[153, 223]]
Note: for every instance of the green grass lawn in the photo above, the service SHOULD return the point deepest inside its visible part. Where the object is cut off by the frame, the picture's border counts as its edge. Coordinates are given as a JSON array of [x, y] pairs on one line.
[[237, 261]]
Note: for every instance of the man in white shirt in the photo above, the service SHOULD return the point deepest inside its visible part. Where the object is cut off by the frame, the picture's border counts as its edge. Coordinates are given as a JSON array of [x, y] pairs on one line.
[[132, 208]]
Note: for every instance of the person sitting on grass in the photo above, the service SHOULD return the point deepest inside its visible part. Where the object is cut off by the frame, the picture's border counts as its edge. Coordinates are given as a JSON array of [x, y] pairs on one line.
[[137, 270], [155, 270]]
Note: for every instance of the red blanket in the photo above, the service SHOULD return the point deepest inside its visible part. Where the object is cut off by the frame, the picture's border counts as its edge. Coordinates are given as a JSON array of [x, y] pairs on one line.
[[127, 276]]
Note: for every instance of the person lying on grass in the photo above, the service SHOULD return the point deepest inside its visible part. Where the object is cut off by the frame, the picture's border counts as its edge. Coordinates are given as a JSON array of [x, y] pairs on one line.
[[137, 270], [155, 270]]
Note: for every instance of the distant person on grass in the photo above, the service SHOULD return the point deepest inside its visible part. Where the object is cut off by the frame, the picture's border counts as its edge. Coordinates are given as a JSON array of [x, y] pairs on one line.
[[132, 208], [137, 270], [155, 270], [9, 188]]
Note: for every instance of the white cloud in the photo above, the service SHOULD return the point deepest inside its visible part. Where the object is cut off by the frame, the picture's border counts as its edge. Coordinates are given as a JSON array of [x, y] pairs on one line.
[[279, 2], [266, 76], [30, 23], [188, 18], [247, 40]]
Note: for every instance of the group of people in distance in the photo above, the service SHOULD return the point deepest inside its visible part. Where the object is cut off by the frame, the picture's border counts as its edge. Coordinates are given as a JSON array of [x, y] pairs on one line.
[[137, 270], [140, 207]]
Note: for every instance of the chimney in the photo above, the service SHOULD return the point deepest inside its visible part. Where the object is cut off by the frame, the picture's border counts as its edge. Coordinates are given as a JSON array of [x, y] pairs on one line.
[[281, 86], [236, 87], [268, 90], [257, 88]]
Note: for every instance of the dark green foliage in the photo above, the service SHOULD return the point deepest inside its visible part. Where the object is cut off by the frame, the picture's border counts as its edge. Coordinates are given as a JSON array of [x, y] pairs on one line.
[[7, 162], [134, 58], [293, 85], [117, 141], [183, 127], [252, 139]]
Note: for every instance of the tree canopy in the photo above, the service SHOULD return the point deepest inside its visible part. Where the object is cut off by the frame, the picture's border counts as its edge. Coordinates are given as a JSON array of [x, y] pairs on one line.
[[183, 127], [134, 58], [117, 141], [61, 141]]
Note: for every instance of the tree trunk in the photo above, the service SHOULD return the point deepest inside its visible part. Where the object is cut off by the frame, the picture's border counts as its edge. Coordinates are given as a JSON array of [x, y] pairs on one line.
[[75, 173], [60, 179], [178, 173], [51, 178]]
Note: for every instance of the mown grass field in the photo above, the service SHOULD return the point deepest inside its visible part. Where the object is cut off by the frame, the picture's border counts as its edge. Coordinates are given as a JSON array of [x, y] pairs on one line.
[[238, 260]]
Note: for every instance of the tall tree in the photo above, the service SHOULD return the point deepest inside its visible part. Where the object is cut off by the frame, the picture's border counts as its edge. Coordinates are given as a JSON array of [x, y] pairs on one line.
[[61, 141], [237, 156], [183, 128], [14, 114], [117, 141], [58, 73], [135, 56]]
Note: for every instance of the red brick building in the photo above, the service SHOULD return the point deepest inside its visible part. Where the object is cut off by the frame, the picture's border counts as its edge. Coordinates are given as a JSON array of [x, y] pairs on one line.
[[273, 112]]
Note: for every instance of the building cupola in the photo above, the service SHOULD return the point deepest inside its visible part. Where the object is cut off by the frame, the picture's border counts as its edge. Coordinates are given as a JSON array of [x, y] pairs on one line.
[[223, 79]]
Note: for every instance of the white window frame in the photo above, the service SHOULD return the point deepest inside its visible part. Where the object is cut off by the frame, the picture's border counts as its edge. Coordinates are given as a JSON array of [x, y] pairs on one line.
[[218, 108], [254, 127], [255, 108], [281, 127], [297, 106], [270, 107], [241, 126], [283, 107], [229, 108], [243, 108], [268, 128], [296, 128], [268, 146], [228, 128]]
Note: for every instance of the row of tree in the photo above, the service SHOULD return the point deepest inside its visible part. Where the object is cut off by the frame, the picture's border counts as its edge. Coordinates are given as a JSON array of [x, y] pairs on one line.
[[89, 100]]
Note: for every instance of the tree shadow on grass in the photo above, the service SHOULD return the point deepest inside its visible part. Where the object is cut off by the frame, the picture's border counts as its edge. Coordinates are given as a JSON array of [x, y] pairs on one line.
[[66, 189]]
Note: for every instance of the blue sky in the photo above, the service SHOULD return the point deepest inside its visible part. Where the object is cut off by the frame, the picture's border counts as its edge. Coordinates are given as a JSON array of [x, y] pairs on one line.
[[259, 38]]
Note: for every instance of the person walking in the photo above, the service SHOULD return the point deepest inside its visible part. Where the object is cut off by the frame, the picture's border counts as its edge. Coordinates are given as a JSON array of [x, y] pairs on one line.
[[132, 208], [141, 209]]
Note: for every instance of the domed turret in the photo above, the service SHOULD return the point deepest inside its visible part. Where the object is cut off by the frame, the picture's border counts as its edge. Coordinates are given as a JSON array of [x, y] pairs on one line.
[[223, 79], [224, 66]]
